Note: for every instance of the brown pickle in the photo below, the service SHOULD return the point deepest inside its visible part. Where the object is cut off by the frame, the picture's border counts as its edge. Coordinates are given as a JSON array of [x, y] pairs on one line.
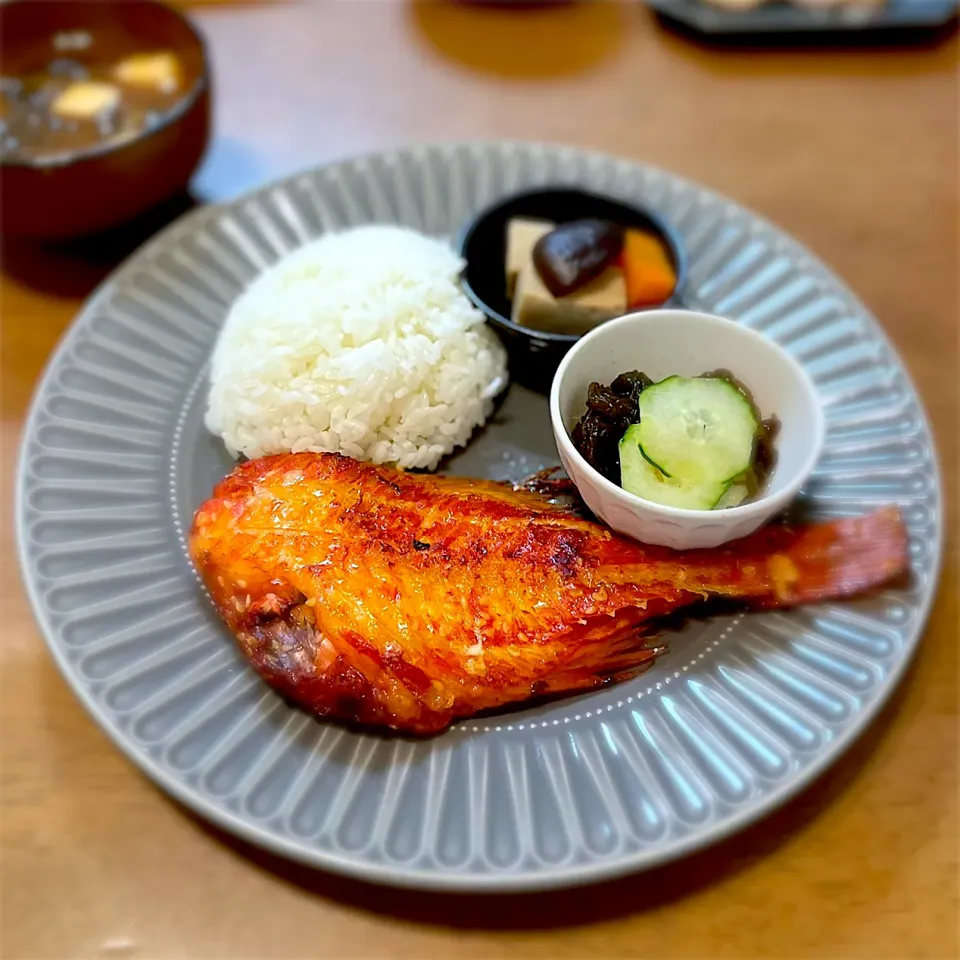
[[612, 408], [575, 253]]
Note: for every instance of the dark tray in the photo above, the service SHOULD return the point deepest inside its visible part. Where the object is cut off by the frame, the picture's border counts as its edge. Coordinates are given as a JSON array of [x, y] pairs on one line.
[[784, 18]]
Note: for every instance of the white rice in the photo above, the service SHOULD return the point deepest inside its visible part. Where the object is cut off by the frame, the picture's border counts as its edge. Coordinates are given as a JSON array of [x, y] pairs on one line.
[[361, 343]]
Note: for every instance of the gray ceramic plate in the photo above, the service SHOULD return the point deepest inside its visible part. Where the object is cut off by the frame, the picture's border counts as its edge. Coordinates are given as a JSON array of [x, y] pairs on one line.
[[742, 712]]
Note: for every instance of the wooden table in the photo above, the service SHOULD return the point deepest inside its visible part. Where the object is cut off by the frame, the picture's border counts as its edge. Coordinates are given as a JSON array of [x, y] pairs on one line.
[[855, 152]]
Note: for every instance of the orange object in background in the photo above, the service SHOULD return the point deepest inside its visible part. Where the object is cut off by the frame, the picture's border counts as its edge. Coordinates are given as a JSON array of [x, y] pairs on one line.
[[650, 276]]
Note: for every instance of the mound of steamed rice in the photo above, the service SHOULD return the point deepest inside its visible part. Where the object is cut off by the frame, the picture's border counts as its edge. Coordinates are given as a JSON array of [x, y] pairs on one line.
[[360, 343]]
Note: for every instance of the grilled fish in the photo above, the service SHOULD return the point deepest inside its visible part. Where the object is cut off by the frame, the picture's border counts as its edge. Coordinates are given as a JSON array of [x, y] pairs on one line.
[[407, 601]]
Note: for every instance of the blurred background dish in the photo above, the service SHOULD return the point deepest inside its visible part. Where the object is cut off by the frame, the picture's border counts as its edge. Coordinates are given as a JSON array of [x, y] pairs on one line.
[[806, 16], [104, 113]]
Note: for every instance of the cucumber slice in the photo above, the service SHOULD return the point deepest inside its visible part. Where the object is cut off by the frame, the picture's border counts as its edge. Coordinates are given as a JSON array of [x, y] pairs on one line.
[[641, 478], [733, 496], [697, 429]]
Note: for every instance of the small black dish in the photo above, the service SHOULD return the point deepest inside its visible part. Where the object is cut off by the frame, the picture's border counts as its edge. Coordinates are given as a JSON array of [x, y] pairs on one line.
[[535, 354]]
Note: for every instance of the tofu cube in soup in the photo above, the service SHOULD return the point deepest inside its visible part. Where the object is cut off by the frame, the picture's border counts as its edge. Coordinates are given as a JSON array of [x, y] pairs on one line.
[[86, 100], [156, 71]]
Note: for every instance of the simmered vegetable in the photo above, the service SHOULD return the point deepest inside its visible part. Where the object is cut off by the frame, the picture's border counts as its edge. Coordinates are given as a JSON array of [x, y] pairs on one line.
[[568, 278], [575, 253], [649, 273]]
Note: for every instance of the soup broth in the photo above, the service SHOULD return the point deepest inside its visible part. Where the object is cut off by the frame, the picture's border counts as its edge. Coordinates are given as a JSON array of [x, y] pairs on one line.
[[87, 94]]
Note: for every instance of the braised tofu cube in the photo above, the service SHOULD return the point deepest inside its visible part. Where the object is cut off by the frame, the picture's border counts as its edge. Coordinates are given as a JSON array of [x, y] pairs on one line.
[[522, 237], [601, 299]]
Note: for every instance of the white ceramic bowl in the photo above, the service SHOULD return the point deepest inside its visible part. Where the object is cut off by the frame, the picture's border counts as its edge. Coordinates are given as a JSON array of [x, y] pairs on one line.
[[664, 342]]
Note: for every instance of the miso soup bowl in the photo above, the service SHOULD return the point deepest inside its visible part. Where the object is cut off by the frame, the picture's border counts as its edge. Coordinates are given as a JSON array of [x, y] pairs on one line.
[[70, 195], [662, 343]]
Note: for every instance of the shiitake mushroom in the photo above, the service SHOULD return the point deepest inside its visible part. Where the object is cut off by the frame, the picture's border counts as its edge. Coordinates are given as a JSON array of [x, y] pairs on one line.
[[573, 254]]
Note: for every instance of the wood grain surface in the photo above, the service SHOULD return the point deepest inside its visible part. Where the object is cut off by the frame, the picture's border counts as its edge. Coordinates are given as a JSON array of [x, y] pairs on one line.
[[853, 150]]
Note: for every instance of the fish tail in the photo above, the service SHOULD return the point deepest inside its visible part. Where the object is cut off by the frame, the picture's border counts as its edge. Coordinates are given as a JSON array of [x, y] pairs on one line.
[[837, 559], [778, 566]]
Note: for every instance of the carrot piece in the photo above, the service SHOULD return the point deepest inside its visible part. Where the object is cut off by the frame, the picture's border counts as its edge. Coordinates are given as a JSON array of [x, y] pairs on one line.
[[649, 274]]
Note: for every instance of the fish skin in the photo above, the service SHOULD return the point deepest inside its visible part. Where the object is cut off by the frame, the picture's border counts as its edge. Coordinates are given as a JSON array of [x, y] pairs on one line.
[[407, 601]]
